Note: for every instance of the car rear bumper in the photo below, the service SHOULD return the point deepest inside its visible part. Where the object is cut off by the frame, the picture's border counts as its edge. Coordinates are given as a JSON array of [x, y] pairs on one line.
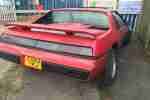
[[76, 67], [76, 73]]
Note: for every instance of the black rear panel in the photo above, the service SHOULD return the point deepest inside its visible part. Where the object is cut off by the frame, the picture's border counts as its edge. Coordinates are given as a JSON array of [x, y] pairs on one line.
[[76, 73], [47, 45]]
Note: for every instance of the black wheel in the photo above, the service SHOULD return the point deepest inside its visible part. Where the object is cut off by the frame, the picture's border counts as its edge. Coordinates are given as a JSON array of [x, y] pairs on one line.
[[111, 69], [126, 39]]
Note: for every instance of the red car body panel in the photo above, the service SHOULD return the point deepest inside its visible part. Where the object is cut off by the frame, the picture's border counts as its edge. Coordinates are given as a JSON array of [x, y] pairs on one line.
[[102, 42], [78, 63]]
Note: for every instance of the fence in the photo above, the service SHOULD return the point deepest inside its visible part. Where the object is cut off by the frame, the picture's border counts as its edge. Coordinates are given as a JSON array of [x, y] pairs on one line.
[[26, 9], [131, 20], [48, 4], [62, 4], [7, 13]]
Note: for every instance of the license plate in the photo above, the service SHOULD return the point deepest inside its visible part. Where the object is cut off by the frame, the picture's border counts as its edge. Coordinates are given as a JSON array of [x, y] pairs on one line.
[[33, 62]]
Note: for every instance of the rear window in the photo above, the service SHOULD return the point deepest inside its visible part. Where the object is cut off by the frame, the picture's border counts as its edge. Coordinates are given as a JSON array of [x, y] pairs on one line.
[[95, 19]]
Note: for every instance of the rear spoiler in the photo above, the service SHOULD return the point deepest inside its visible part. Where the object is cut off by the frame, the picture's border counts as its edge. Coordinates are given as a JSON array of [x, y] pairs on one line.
[[91, 32]]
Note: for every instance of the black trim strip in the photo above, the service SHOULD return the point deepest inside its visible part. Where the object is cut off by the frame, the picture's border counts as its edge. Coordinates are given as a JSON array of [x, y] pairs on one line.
[[72, 72]]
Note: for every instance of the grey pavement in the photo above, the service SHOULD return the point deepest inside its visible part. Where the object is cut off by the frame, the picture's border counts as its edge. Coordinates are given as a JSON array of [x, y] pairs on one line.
[[133, 82]]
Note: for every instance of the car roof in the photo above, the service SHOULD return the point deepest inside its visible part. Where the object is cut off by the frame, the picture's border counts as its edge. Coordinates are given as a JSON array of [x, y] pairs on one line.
[[97, 9]]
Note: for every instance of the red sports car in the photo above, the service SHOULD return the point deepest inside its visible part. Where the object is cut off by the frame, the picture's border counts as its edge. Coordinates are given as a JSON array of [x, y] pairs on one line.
[[79, 42]]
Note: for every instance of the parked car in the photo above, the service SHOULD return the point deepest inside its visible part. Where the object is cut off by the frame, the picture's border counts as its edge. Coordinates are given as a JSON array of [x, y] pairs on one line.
[[78, 42]]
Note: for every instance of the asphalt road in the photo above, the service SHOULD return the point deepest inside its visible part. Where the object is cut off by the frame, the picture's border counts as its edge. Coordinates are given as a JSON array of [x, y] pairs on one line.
[[133, 82]]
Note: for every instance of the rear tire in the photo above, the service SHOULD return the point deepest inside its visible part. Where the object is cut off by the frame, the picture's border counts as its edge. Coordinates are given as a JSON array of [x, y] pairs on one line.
[[111, 69], [126, 39]]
